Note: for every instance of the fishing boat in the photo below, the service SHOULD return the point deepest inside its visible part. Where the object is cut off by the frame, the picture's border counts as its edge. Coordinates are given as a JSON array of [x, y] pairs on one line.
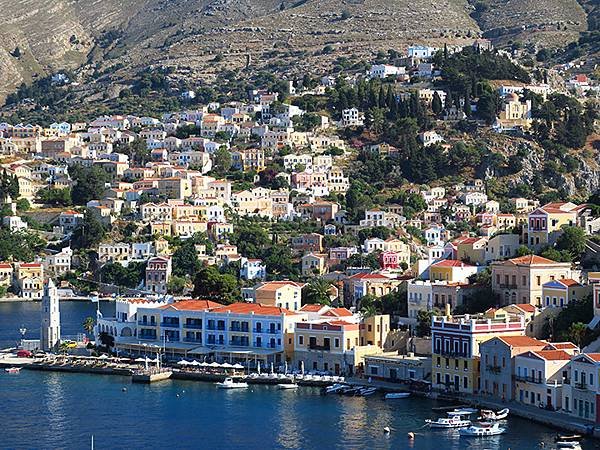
[[483, 429], [230, 384], [454, 421], [287, 386], [396, 395], [12, 370], [488, 414]]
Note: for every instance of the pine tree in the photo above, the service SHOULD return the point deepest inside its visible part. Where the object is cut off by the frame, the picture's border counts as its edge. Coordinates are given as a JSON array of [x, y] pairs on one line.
[[436, 104], [381, 98], [467, 105]]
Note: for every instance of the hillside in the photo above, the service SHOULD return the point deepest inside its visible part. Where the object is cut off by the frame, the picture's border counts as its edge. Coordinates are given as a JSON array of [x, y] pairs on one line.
[[42, 36]]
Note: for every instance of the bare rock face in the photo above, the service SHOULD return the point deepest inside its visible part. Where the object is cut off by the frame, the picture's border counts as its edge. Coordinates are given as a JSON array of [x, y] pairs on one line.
[[55, 34]]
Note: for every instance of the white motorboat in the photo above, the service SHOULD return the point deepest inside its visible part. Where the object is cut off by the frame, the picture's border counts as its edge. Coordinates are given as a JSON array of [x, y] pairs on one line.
[[571, 445], [488, 414], [449, 422], [396, 395], [336, 388], [483, 429], [365, 392], [287, 386], [230, 384], [12, 370], [462, 412]]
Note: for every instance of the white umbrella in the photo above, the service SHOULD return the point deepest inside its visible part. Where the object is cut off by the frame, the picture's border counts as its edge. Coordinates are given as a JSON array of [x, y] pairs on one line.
[[214, 364], [183, 362], [140, 360], [238, 366], [103, 356], [258, 367], [195, 363], [204, 364], [227, 366]]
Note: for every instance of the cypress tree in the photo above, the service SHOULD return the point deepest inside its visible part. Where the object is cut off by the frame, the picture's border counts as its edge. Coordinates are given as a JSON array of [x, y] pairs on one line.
[[436, 104]]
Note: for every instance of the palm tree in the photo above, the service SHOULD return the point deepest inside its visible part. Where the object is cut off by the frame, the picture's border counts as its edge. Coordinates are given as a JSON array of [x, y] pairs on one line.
[[318, 291], [88, 324], [577, 332]]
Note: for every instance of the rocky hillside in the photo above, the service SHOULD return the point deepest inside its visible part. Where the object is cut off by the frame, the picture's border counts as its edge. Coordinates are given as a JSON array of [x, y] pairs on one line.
[[41, 36]]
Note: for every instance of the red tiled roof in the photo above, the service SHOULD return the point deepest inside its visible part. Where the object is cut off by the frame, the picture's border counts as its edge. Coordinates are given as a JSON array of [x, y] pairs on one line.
[[521, 341], [568, 282], [192, 305], [31, 265], [451, 263], [5, 266], [553, 355], [527, 307], [561, 346], [256, 308], [338, 312], [273, 285], [531, 259], [377, 276], [312, 307], [593, 356]]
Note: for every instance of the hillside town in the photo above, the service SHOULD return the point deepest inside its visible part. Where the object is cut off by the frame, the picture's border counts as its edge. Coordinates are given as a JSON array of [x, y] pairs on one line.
[[267, 230]]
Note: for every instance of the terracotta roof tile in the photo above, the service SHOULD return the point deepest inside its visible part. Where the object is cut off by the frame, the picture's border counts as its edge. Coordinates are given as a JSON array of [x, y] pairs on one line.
[[521, 341]]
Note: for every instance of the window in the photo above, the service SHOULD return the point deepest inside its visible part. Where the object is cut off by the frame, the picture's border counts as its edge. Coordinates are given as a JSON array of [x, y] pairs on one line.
[[465, 365], [373, 370], [336, 342], [465, 382], [301, 340]]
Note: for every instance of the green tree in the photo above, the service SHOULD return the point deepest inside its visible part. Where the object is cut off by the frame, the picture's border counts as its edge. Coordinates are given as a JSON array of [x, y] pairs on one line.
[[54, 197], [279, 262], [185, 259], [222, 160], [90, 183], [317, 291], [436, 104], [137, 151], [577, 332], [571, 240], [424, 323], [88, 325], [210, 284], [89, 233], [176, 285]]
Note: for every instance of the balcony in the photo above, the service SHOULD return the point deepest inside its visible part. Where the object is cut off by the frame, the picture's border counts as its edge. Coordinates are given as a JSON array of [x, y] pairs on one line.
[[581, 385], [507, 286], [147, 337], [193, 326], [169, 324], [239, 344], [450, 354], [526, 379], [319, 347], [493, 369], [147, 324], [239, 329], [193, 340]]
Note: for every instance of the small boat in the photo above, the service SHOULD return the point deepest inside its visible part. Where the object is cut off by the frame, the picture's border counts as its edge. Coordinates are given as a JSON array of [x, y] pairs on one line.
[[567, 437], [449, 422], [396, 395], [488, 414], [287, 386], [572, 445], [334, 389], [365, 392], [483, 429], [12, 370], [462, 412], [230, 384]]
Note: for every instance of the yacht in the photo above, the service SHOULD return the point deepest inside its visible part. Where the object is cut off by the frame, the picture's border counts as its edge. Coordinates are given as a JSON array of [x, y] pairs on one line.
[[483, 429], [230, 384], [287, 386], [454, 421]]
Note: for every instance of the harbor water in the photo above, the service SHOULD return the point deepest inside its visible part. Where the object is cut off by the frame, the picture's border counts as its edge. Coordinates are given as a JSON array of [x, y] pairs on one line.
[[49, 410]]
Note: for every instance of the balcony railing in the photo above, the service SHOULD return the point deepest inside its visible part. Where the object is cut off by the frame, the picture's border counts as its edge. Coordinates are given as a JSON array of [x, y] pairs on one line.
[[169, 324], [147, 337], [194, 326], [507, 286], [319, 347], [195, 340], [526, 379], [450, 354], [239, 329], [147, 324], [581, 385], [493, 369], [239, 343]]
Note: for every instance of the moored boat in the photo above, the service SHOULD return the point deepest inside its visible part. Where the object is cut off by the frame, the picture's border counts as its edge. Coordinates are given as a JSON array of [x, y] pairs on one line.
[[367, 391], [455, 421], [230, 384], [572, 445], [12, 370], [287, 386], [396, 395], [488, 414], [483, 429], [336, 388]]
